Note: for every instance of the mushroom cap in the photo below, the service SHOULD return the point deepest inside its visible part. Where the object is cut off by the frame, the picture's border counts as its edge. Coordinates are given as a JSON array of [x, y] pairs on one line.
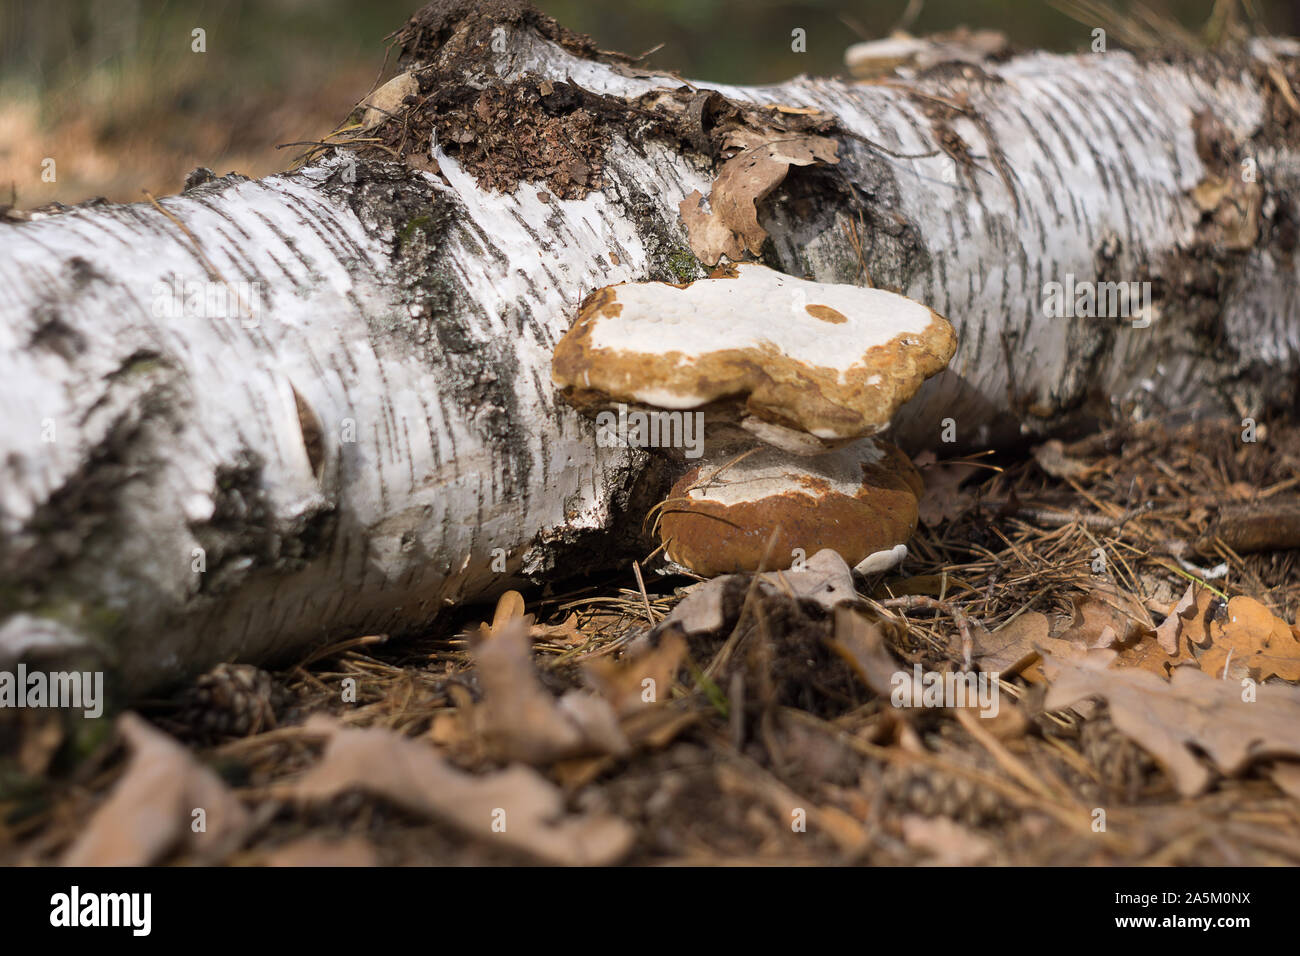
[[857, 500], [806, 365]]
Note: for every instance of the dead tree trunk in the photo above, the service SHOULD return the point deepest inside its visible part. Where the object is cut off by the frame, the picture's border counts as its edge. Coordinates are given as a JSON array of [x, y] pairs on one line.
[[261, 415]]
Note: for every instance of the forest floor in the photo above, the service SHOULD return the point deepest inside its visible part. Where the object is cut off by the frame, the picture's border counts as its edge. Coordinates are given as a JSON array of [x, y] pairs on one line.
[[1138, 656]]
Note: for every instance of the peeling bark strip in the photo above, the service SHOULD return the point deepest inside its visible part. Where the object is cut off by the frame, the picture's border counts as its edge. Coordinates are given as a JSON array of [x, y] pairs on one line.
[[364, 431]]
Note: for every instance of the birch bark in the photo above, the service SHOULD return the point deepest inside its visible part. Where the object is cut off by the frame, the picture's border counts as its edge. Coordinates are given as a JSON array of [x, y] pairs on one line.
[[366, 433]]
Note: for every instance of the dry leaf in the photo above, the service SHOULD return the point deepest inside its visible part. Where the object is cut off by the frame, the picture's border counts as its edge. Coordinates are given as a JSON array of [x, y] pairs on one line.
[[948, 843], [1033, 670], [1241, 635], [825, 579], [1191, 709], [1171, 628], [731, 226], [515, 807], [1251, 641], [943, 499], [861, 642], [1199, 623], [1017, 646], [623, 683], [387, 101], [1008, 723], [1286, 775], [422, 162], [1011, 648], [151, 809], [1148, 655], [1161, 652], [709, 236], [1108, 617], [520, 720], [701, 611]]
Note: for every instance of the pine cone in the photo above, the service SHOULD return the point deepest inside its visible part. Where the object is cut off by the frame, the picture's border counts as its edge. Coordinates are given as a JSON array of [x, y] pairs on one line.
[[1122, 766], [931, 793], [232, 700]]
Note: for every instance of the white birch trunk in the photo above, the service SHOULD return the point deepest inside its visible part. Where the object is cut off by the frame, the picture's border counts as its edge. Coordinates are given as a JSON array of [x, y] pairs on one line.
[[360, 454]]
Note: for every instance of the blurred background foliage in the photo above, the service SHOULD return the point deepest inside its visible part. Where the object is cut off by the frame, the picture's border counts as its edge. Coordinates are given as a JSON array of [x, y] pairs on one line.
[[111, 90]]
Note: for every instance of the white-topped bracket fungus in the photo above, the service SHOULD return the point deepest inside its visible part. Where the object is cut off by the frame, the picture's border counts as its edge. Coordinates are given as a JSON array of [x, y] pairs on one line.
[[756, 510], [793, 379], [805, 366]]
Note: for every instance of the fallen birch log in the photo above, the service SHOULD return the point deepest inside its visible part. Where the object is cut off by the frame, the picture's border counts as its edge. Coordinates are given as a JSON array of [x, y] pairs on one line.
[[258, 416]]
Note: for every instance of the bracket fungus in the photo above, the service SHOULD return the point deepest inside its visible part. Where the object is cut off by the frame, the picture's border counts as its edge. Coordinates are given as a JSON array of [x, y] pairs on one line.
[[805, 366], [793, 378], [756, 509]]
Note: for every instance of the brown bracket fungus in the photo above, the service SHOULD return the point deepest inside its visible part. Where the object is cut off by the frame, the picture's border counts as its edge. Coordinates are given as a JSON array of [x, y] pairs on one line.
[[759, 509], [792, 378]]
